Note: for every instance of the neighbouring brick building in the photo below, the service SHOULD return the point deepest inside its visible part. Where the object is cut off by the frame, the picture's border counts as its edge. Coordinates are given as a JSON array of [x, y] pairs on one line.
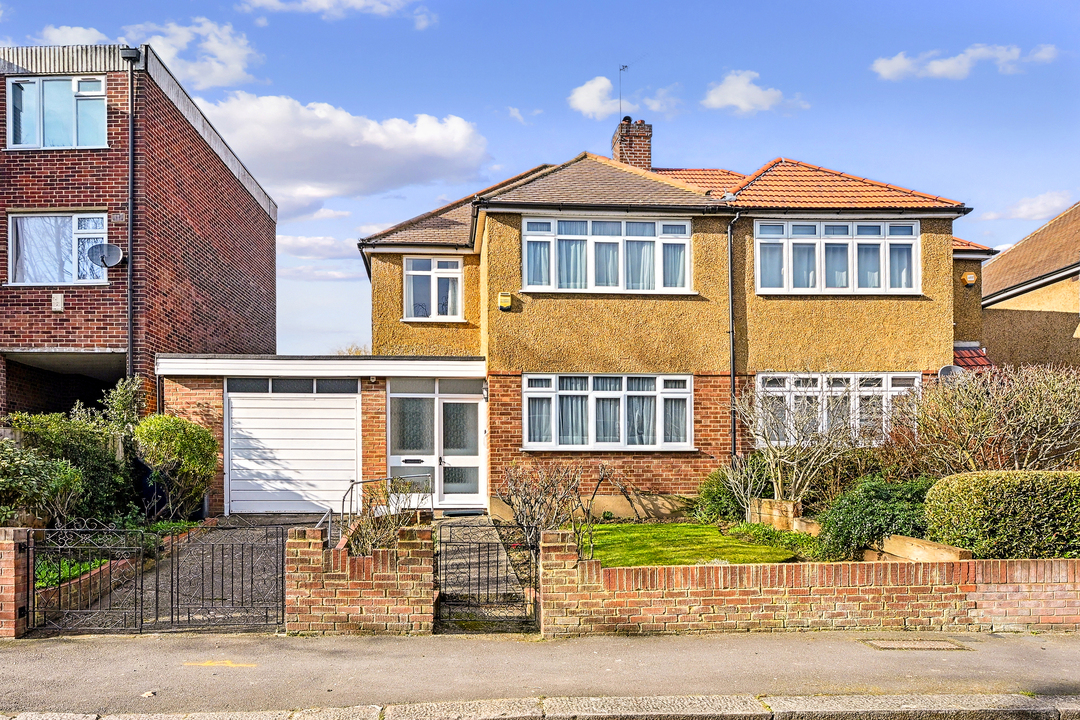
[[201, 254]]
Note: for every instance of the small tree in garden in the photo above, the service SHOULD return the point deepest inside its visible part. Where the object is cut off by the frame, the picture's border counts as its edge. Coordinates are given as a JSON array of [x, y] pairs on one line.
[[541, 497], [746, 478], [381, 516], [184, 458]]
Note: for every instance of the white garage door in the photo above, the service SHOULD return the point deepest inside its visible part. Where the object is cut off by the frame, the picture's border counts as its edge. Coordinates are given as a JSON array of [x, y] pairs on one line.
[[291, 453]]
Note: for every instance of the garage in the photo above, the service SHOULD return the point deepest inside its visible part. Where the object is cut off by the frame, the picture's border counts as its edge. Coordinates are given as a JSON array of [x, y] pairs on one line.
[[293, 444]]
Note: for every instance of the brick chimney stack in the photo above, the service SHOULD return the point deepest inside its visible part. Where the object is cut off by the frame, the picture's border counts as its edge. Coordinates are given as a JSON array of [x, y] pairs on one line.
[[632, 144]]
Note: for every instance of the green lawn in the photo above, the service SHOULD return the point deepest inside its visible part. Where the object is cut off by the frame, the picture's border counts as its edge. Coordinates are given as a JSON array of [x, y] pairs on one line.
[[676, 544]]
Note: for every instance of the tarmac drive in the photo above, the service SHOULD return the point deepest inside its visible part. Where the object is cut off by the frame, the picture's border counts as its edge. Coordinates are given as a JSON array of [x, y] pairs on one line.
[[205, 673]]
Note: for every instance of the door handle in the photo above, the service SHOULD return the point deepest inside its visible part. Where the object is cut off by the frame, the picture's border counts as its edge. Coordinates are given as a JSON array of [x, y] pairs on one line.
[[411, 461]]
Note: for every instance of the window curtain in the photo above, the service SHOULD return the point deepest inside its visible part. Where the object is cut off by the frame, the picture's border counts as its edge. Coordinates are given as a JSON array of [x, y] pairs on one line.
[[772, 265], [869, 260], [538, 262], [607, 420], [836, 266], [640, 420], [674, 420], [607, 384], [572, 264], [43, 250], [540, 420], [607, 264], [775, 418], [900, 266], [448, 296], [418, 296], [674, 265], [573, 419], [803, 265], [640, 273]]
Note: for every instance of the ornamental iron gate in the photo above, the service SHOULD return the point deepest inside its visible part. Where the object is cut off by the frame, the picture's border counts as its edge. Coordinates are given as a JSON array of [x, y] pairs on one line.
[[94, 578], [487, 577]]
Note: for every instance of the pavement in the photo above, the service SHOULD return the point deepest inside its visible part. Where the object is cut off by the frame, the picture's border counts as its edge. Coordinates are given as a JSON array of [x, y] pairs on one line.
[[781, 675]]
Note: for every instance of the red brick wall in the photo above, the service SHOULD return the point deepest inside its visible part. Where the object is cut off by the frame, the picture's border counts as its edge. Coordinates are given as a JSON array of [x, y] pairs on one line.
[[656, 472], [583, 598], [202, 401], [13, 581], [632, 144], [373, 428], [391, 592], [31, 389]]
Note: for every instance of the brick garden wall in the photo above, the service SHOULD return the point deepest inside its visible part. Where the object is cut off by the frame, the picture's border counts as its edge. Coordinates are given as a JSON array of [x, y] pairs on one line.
[[583, 598], [202, 401], [13, 581], [388, 592]]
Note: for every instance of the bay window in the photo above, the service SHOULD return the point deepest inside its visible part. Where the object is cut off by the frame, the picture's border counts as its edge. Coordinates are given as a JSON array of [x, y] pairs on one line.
[[616, 256], [607, 412], [837, 257], [51, 112], [433, 289], [52, 249]]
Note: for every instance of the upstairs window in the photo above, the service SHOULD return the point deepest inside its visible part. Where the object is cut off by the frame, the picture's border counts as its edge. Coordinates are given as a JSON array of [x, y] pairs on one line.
[[50, 112], [52, 249], [833, 257], [433, 289], [606, 256]]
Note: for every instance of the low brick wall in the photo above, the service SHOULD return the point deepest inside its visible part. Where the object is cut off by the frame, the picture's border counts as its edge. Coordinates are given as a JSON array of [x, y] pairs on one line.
[[391, 592], [579, 597], [14, 581]]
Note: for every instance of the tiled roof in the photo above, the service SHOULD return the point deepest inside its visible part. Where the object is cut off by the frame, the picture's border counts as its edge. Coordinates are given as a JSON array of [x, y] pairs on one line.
[[972, 359], [719, 181], [447, 225], [596, 180], [960, 244], [785, 183], [1053, 247]]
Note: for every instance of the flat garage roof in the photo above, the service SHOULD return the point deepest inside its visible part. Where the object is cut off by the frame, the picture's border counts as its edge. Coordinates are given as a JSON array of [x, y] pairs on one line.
[[171, 365]]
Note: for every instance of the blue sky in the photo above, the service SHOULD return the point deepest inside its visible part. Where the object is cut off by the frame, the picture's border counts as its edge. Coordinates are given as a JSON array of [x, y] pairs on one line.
[[357, 114]]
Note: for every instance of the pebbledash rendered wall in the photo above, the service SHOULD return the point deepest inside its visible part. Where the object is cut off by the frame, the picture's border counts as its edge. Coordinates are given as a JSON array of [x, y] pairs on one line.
[[580, 597]]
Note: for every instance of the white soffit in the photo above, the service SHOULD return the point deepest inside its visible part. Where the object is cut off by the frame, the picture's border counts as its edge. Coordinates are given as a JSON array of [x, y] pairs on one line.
[[343, 366]]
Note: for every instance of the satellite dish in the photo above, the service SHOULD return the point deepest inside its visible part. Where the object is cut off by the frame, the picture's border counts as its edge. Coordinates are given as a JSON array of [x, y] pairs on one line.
[[104, 254], [950, 371]]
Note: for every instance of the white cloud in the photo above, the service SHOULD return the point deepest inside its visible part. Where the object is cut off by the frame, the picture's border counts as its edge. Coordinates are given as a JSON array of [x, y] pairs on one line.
[[307, 154], [1040, 207], [319, 247], [516, 114], [1003, 247], [372, 228], [328, 214], [738, 90], [424, 18], [310, 273], [958, 67], [70, 35], [593, 99], [221, 55], [664, 101], [261, 22], [334, 9]]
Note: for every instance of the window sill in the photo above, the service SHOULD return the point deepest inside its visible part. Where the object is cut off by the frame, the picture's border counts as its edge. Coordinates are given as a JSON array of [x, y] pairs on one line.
[[649, 293], [619, 449], [65, 147], [102, 283], [819, 293], [435, 321]]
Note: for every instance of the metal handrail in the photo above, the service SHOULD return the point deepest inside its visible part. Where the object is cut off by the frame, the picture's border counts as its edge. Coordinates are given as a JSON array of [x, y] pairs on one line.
[[350, 496]]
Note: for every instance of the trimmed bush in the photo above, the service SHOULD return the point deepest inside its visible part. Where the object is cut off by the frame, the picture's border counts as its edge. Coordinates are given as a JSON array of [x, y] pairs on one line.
[[871, 511], [716, 502], [36, 483], [184, 458], [1007, 514]]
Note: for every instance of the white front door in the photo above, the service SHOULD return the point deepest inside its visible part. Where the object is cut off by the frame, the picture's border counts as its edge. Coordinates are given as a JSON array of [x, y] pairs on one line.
[[459, 463]]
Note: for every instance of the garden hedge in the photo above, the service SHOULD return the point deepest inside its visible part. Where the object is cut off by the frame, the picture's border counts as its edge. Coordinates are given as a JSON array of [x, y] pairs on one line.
[[1007, 514]]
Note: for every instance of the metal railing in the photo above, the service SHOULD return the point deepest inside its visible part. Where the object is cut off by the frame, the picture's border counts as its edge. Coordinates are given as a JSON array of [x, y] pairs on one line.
[[351, 505]]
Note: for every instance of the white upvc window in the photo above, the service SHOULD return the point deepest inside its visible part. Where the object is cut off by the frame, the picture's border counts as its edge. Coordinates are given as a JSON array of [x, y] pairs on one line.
[[433, 289], [52, 249], [804, 403], [607, 412], [837, 257], [606, 255], [56, 112]]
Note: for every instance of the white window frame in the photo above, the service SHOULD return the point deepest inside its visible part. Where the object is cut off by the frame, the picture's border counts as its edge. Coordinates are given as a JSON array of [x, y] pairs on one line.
[[660, 393], [75, 97], [659, 240], [893, 385], [76, 235], [435, 274], [852, 240]]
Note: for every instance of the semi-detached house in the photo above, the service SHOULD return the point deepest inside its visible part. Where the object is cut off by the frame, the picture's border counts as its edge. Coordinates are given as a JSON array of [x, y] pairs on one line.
[[605, 309]]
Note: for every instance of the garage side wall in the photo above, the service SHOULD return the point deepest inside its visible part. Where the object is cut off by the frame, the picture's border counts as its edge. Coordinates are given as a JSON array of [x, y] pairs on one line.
[[202, 401]]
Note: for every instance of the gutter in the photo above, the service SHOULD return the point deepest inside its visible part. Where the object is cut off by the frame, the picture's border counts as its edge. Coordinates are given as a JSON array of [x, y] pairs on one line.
[[361, 245], [731, 331], [1034, 284]]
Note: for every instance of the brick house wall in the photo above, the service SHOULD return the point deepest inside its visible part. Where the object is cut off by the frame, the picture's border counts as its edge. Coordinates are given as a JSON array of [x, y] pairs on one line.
[[202, 401], [31, 389], [580, 597]]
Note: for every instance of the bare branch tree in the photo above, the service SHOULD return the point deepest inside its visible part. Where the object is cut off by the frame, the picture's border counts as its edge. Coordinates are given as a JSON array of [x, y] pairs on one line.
[[540, 497], [628, 490]]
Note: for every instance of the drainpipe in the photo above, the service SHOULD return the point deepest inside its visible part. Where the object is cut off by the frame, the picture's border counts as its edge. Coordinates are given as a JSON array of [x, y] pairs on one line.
[[132, 56], [731, 329]]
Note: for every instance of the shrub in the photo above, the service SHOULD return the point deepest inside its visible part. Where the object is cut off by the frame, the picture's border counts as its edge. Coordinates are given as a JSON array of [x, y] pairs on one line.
[[31, 481], [1007, 515], [716, 502], [806, 546], [540, 497], [184, 458], [871, 511]]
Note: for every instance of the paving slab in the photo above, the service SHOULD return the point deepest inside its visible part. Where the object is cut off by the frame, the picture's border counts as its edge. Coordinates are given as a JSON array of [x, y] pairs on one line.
[[54, 716], [360, 712], [279, 715], [512, 709], [131, 716], [1068, 706], [910, 707], [698, 707]]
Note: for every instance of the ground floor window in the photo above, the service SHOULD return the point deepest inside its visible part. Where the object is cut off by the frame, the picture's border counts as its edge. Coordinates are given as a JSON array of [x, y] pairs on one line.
[[632, 412], [798, 405]]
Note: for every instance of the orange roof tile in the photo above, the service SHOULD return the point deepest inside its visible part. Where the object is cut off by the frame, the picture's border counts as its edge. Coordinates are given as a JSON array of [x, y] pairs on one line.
[[713, 179], [785, 183], [960, 244], [972, 359]]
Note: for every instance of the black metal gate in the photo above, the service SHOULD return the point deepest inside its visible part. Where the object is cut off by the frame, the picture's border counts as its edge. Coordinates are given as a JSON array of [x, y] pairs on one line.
[[487, 576], [101, 579]]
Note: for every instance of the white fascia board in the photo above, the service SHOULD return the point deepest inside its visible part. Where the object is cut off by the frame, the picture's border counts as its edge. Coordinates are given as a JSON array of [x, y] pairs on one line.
[[360, 367], [849, 216], [418, 249], [971, 255]]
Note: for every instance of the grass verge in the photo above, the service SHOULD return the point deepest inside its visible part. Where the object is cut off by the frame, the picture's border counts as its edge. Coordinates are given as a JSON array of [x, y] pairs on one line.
[[676, 544]]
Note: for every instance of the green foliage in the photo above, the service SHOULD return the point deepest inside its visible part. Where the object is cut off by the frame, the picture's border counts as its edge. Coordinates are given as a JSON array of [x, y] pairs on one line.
[[50, 572], [806, 546], [1008, 515], [872, 510], [636, 544], [164, 528], [184, 457], [34, 482], [716, 502]]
